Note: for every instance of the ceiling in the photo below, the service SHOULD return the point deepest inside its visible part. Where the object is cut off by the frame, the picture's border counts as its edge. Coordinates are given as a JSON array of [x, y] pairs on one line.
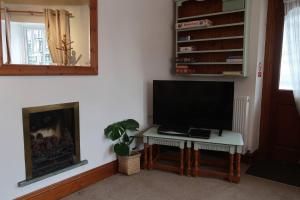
[[48, 2]]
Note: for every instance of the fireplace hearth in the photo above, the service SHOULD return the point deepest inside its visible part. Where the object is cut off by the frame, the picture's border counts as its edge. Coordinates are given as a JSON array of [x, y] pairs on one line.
[[51, 140]]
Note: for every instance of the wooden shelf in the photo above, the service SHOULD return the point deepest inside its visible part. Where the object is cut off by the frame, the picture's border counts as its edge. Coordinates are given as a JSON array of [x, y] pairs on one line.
[[210, 75], [210, 15], [201, 75], [209, 63], [211, 27], [212, 51], [210, 39]]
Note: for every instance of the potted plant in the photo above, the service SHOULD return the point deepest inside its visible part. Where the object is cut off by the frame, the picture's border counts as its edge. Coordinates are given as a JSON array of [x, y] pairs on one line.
[[129, 160]]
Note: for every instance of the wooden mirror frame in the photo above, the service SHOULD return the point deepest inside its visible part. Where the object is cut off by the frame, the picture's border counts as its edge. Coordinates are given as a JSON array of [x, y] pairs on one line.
[[48, 70]]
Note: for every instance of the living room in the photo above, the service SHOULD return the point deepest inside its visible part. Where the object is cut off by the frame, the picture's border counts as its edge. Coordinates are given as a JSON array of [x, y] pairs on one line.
[[135, 45]]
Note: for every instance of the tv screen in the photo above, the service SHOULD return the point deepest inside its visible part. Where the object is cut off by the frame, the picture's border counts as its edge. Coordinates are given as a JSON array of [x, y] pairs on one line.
[[193, 104]]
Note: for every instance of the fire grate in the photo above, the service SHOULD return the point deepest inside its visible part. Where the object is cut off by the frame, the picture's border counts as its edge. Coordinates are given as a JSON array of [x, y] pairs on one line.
[[51, 139]]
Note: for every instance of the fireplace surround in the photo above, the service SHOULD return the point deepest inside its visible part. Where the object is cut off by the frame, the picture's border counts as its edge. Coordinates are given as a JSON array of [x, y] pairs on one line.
[[51, 140]]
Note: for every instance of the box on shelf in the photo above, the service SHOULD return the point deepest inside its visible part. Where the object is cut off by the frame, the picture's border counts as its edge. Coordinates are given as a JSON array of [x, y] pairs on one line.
[[193, 24], [185, 38], [232, 73], [230, 5], [235, 59], [182, 66], [185, 60], [188, 48]]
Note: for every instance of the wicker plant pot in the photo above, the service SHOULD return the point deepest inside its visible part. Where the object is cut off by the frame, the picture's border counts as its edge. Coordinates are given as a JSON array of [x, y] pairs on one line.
[[130, 164]]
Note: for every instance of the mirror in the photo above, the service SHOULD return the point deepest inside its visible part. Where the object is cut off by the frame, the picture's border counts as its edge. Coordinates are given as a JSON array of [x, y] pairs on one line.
[[42, 37]]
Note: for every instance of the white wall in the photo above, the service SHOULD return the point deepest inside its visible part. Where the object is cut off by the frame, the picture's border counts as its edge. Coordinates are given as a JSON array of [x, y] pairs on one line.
[[135, 46], [115, 94], [258, 34]]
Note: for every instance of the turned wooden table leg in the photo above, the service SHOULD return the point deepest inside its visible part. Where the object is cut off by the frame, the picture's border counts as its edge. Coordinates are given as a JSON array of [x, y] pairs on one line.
[[196, 164], [181, 161], [188, 161], [238, 167], [146, 156], [150, 157], [157, 150], [230, 175]]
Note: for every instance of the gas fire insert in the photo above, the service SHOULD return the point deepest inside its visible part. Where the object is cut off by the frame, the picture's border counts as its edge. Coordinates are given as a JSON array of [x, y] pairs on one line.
[[51, 140]]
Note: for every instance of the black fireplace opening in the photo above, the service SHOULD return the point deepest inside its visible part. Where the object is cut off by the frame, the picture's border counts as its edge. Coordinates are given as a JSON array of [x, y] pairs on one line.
[[51, 139]]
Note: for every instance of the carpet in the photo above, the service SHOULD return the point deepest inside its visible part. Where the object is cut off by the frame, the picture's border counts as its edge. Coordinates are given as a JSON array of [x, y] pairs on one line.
[[283, 173], [159, 185]]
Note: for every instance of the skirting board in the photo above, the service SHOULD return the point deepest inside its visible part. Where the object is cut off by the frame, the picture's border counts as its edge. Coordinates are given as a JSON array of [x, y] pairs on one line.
[[73, 184]]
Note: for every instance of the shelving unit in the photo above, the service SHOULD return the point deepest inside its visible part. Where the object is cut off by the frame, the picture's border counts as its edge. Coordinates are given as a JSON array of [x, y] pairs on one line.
[[214, 45]]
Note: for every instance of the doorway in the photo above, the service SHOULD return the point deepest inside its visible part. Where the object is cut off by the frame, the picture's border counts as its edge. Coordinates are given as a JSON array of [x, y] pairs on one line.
[[280, 121]]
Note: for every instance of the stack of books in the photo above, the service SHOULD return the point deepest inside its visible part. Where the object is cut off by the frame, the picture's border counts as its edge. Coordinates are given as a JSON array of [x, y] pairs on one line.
[[235, 59], [193, 24], [182, 69], [185, 69]]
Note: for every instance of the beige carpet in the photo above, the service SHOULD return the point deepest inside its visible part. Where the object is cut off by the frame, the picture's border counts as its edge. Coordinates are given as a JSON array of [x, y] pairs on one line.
[[158, 185]]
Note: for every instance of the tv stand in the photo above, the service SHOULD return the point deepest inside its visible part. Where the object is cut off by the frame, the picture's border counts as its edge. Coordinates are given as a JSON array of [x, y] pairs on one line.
[[230, 142]]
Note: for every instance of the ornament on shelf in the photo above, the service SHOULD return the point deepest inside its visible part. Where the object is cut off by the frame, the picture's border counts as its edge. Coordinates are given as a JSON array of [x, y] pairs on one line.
[[66, 47]]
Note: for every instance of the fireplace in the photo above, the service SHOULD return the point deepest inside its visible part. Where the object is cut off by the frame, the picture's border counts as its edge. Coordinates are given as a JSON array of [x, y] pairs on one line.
[[51, 140]]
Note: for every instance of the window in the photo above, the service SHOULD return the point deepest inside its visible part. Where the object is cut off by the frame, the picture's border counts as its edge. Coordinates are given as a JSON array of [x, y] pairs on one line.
[[290, 59], [285, 82], [36, 47]]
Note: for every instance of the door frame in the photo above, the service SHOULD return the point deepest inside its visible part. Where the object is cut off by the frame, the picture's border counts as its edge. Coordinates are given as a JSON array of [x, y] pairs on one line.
[[273, 46]]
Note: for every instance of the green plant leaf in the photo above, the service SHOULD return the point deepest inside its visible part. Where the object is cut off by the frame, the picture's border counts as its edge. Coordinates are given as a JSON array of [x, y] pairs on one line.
[[121, 149], [114, 131], [131, 138], [126, 138], [130, 124]]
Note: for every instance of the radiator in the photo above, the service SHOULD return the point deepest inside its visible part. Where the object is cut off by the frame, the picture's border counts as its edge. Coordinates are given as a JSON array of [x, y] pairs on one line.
[[241, 118]]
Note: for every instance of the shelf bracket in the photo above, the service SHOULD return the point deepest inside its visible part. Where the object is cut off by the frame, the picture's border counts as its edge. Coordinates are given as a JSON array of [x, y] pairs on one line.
[[179, 2]]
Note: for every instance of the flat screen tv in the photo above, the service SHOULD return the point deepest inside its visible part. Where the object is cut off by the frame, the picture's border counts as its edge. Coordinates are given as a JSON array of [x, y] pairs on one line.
[[198, 104]]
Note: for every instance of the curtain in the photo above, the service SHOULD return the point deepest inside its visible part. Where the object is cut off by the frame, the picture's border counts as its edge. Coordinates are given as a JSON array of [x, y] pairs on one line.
[[7, 36], [57, 25], [292, 38]]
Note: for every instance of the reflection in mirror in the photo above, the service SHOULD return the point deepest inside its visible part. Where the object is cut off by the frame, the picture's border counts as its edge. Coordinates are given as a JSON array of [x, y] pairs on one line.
[[46, 32]]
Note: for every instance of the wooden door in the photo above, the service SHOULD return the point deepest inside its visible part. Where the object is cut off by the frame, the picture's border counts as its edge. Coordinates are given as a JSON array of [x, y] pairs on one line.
[[280, 121]]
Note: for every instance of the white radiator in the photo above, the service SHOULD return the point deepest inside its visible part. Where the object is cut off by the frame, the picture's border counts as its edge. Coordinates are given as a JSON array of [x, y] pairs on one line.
[[241, 118]]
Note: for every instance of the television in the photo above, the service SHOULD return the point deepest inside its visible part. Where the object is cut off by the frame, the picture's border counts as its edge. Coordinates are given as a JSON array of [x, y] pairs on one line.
[[196, 104]]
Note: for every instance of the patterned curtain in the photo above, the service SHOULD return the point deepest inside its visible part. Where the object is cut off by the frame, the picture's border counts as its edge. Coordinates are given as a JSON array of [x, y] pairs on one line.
[[7, 41], [57, 25]]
